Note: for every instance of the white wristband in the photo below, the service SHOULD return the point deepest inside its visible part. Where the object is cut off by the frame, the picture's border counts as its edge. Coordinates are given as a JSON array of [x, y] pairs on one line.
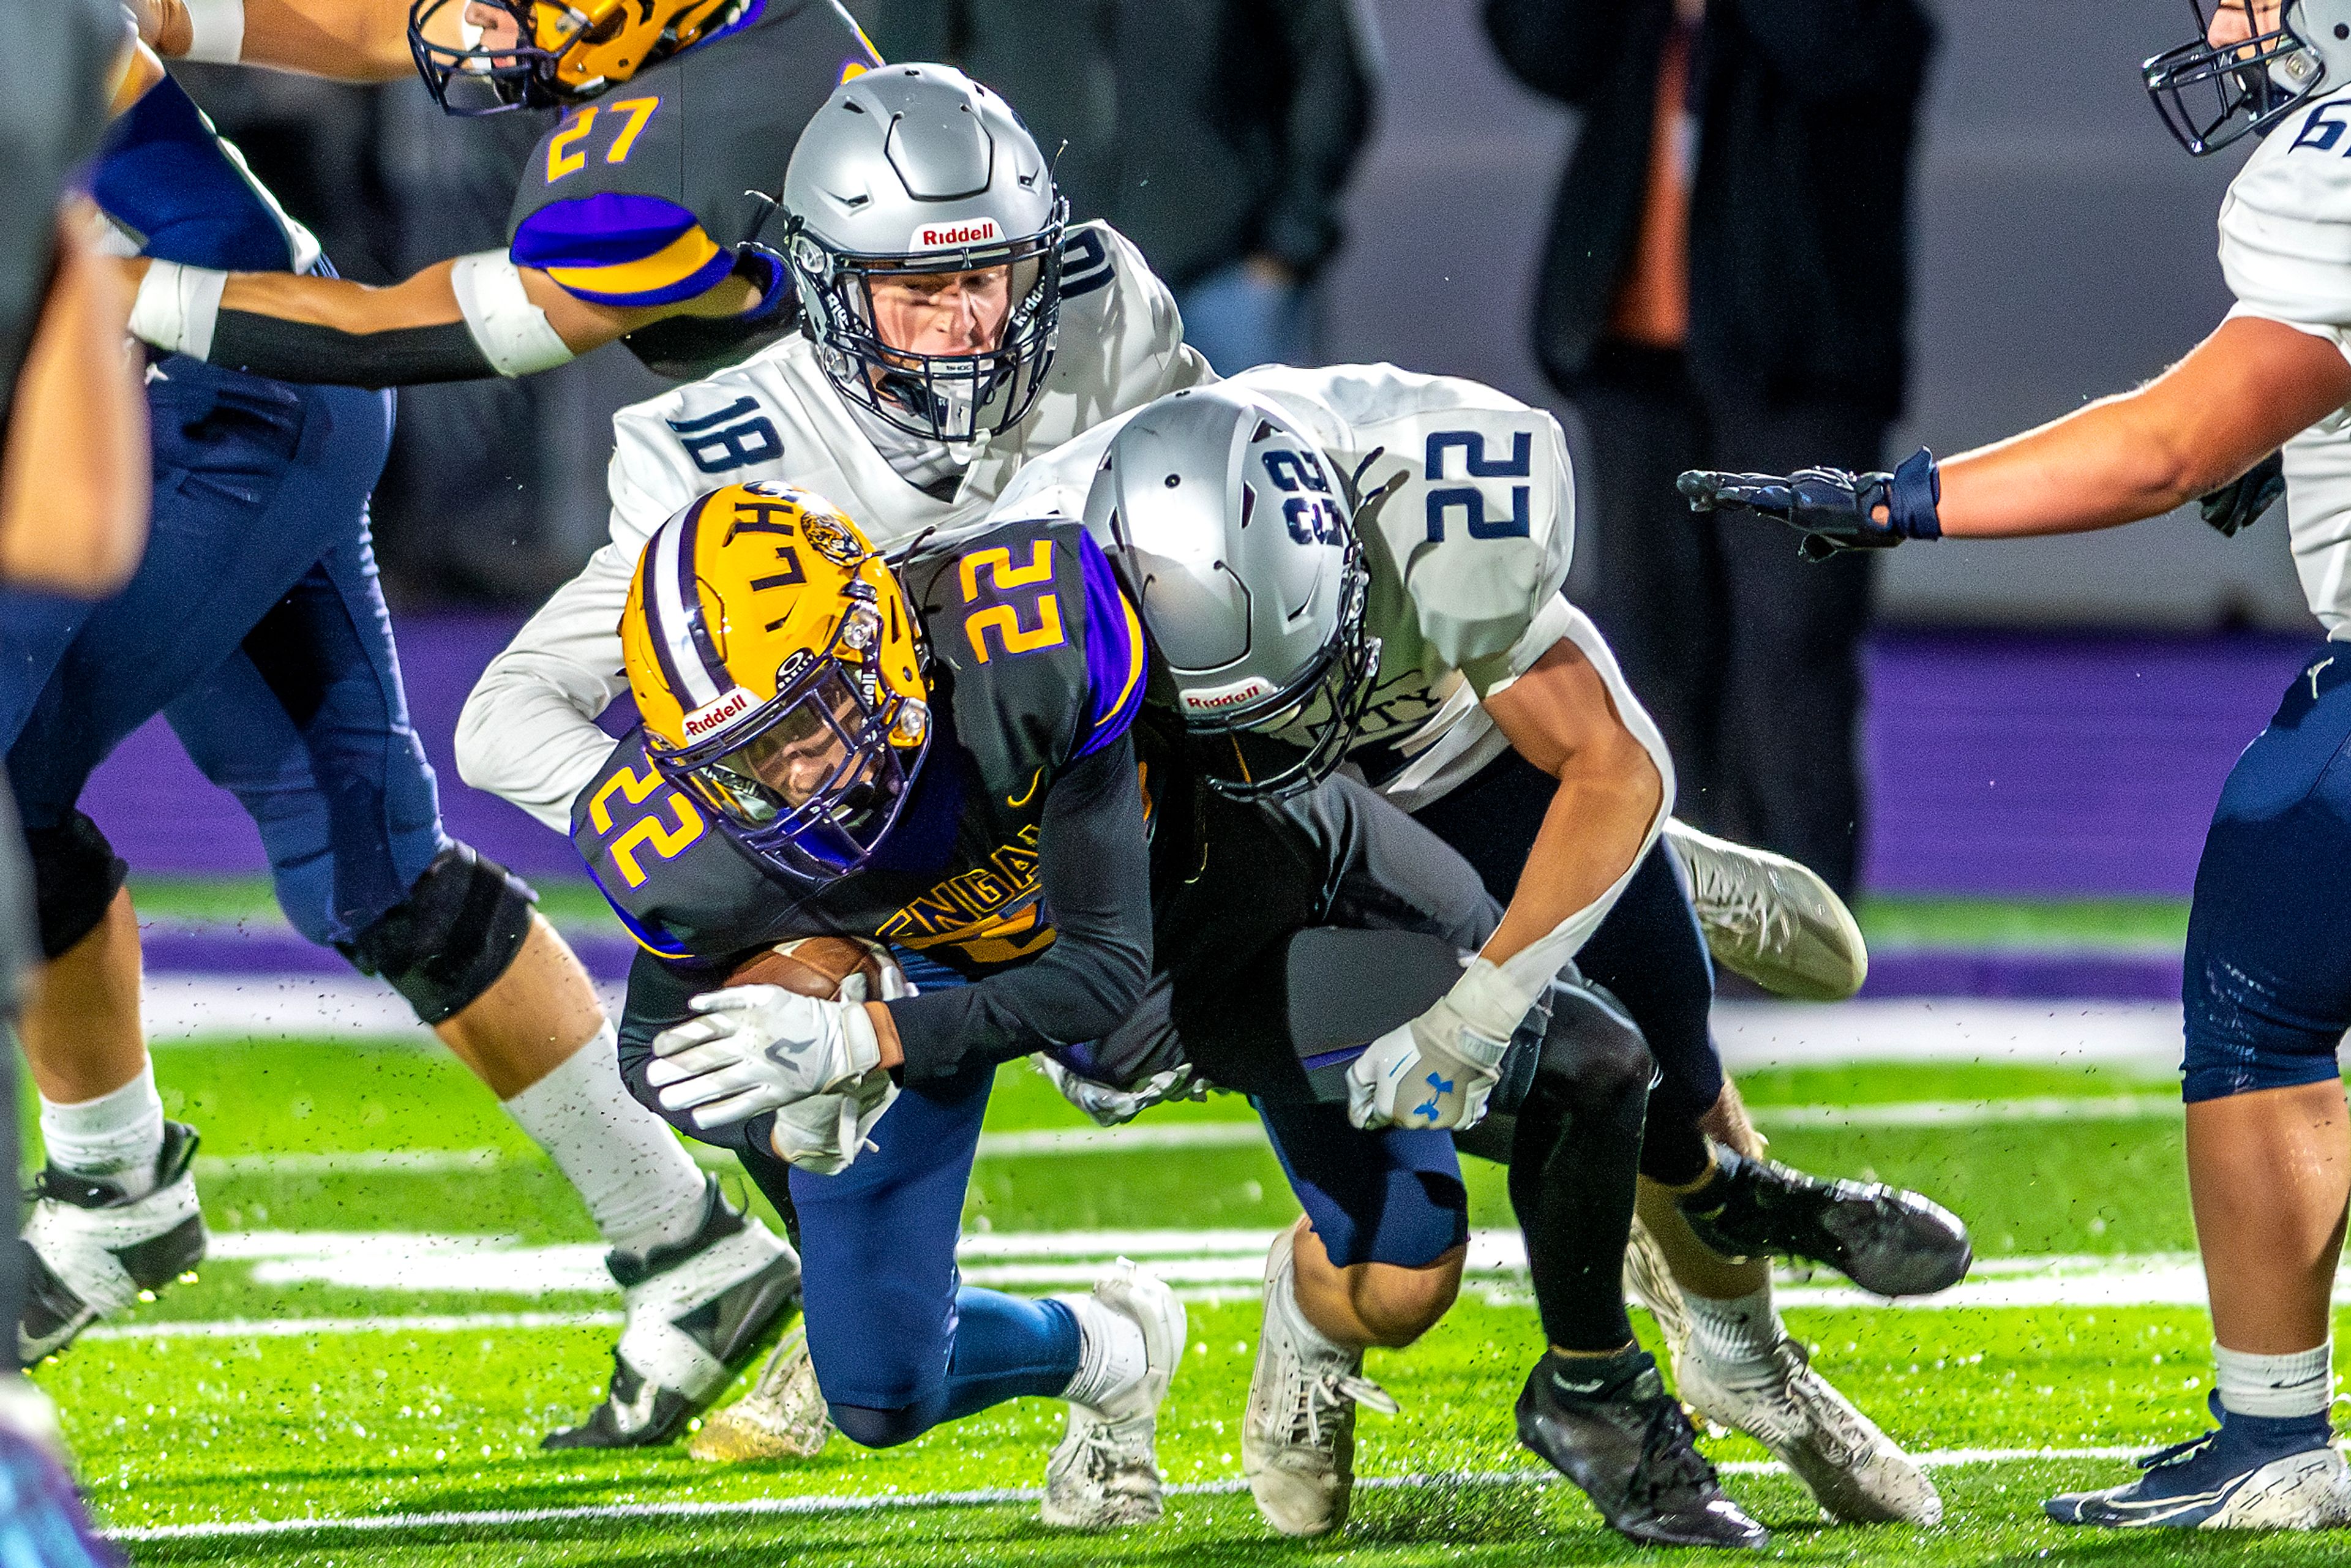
[[177, 307], [1488, 1001], [512, 333], [215, 31]]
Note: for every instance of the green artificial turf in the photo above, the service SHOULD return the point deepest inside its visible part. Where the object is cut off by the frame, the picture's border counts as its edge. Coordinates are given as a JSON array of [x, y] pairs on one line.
[[391, 1417]]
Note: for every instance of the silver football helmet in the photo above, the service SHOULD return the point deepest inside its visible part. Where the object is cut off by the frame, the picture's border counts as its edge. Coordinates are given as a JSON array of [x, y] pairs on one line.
[[1238, 545], [2211, 94], [919, 169]]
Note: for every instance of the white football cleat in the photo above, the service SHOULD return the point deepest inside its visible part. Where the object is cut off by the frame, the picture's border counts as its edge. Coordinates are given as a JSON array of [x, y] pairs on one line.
[[783, 1416], [95, 1251], [1858, 1474], [1770, 918], [1104, 1474], [698, 1312], [1298, 1438]]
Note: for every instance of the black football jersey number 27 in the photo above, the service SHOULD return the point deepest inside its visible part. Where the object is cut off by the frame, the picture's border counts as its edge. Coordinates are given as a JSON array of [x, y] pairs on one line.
[[1037, 663], [639, 197]]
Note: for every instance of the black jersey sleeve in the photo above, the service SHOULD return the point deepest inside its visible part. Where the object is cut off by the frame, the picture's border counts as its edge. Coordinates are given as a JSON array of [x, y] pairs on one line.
[[1092, 868], [640, 197], [1044, 655]]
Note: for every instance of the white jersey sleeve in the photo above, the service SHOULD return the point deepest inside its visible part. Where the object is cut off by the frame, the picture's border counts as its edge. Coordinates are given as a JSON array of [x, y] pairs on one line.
[[528, 732], [2286, 249]]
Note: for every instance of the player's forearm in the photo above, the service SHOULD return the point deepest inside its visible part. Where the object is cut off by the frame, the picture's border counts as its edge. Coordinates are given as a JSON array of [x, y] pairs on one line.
[[527, 734], [347, 40], [1600, 821], [2240, 395], [74, 481]]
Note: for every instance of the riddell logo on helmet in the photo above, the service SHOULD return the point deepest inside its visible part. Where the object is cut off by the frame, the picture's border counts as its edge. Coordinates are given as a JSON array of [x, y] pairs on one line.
[[981, 230], [712, 718], [1218, 699]]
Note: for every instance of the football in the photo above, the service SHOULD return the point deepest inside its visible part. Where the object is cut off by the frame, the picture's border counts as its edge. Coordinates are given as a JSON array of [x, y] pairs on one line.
[[840, 969]]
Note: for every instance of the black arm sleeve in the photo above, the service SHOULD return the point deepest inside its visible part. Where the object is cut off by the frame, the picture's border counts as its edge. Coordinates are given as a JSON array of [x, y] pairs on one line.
[[306, 351], [1094, 870]]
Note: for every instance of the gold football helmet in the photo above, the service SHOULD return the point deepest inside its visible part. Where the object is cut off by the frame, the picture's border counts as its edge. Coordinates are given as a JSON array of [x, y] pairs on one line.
[[779, 670], [561, 51]]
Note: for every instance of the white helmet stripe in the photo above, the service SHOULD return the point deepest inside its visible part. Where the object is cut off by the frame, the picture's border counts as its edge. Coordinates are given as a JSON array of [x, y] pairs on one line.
[[667, 619]]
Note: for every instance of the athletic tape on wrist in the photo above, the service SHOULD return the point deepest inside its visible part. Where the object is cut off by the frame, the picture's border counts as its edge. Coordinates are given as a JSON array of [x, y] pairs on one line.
[[215, 31], [512, 333], [1488, 1001], [177, 308]]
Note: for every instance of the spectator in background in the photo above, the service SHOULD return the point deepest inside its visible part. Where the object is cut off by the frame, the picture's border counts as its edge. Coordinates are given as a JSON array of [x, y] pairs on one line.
[[1725, 287], [1219, 135]]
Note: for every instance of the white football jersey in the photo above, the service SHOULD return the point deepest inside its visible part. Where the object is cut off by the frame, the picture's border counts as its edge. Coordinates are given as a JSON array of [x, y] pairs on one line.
[[2285, 249], [1468, 527], [528, 732]]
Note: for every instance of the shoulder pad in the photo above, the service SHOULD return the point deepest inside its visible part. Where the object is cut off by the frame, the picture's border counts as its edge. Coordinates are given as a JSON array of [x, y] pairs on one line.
[[1044, 655], [2285, 226], [677, 884]]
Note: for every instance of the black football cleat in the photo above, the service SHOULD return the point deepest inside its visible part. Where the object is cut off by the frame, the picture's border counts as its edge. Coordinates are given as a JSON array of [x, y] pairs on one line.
[[1611, 1427], [698, 1314], [1888, 1241]]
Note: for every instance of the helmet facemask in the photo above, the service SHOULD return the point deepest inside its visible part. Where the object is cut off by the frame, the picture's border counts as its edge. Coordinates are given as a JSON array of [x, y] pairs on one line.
[[950, 398], [811, 780], [2210, 94], [540, 68]]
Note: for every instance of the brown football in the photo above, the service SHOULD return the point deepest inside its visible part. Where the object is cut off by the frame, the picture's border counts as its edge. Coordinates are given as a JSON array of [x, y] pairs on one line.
[[815, 967]]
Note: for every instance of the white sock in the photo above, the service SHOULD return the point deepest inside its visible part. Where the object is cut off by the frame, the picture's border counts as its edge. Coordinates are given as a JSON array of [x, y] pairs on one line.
[[640, 1184], [2302, 1383], [1736, 1338], [115, 1137], [1112, 1357]]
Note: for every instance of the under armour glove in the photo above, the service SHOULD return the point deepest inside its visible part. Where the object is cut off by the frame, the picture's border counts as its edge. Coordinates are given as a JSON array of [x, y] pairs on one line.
[[1438, 1070], [1833, 509], [2240, 503], [1112, 1107], [759, 1047], [824, 1134]]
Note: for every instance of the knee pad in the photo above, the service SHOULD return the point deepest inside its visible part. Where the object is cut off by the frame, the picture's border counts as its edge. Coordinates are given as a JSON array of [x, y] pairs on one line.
[[871, 1428], [1592, 1052], [452, 938], [75, 874]]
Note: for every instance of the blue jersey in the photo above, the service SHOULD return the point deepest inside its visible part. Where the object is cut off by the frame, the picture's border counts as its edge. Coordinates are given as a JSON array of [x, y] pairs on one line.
[[182, 193]]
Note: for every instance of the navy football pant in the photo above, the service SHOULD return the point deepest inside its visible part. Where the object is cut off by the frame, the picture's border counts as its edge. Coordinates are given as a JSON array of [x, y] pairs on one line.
[[1649, 953], [2267, 986], [256, 620]]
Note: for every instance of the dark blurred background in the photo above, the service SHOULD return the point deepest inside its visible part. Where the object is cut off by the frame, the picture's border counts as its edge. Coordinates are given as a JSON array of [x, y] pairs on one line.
[[2064, 250]]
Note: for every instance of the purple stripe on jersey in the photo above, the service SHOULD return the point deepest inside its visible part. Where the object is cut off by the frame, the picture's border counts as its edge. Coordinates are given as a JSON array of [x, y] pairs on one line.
[[1115, 653], [607, 229]]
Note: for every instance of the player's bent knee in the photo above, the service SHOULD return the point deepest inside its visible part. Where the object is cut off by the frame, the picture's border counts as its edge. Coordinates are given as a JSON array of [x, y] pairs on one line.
[[870, 1427], [1594, 1055], [75, 874], [452, 938], [1399, 1305]]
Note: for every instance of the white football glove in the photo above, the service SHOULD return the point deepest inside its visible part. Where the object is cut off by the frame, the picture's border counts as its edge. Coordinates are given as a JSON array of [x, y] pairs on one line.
[[759, 1047], [1438, 1070], [824, 1134], [1112, 1107]]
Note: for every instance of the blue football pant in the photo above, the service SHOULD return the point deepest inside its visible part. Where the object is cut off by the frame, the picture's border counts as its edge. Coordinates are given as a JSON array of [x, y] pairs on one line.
[[255, 619], [2266, 983]]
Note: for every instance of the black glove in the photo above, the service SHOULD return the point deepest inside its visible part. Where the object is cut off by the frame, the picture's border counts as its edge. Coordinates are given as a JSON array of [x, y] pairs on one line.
[[1833, 509], [2240, 502]]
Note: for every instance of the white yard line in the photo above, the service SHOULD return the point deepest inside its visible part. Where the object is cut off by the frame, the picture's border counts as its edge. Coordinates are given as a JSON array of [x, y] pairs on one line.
[[1215, 1263], [496, 1519], [1752, 1034], [313, 1328], [1047, 1143]]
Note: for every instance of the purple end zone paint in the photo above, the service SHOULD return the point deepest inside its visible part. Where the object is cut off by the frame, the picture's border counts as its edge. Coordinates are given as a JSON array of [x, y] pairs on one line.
[[1999, 762]]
